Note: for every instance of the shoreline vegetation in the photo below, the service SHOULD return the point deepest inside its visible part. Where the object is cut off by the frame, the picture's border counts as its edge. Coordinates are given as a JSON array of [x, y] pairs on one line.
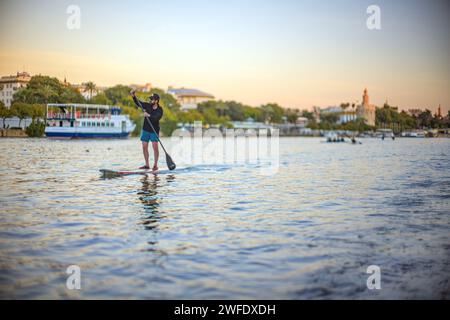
[[30, 102]]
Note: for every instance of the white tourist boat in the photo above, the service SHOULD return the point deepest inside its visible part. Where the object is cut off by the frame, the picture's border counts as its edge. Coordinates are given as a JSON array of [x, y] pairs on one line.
[[86, 121]]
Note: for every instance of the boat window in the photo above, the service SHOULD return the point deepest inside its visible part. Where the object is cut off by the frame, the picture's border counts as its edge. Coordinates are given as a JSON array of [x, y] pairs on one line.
[[112, 124], [103, 124]]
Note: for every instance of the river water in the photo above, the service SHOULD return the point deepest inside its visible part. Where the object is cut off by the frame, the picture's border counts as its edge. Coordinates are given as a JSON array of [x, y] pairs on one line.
[[226, 231]]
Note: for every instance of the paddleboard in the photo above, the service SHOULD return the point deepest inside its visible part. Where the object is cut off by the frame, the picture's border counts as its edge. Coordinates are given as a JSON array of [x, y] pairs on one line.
[[114, 173]]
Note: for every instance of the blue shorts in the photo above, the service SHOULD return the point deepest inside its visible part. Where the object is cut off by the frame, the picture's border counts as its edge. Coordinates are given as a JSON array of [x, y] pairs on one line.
[[148, 136]]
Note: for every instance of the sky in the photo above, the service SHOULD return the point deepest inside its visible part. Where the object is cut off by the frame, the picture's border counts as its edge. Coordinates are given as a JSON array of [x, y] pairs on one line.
[[295, 53]]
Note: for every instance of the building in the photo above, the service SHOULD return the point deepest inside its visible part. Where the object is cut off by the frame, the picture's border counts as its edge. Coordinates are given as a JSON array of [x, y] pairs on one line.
[[343, 115], [348, 116], [189, 98], [302, 122], [10, 84], [366, 110]]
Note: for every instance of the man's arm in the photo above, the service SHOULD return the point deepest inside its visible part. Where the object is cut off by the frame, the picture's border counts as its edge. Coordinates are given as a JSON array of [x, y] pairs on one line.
[[139, 103], [136, 100]]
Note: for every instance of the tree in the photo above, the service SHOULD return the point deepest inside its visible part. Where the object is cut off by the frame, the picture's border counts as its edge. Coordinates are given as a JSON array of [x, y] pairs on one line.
[[234, 110], [425, 119], [308, 115], [37, 126], [44, 89], [169, 122], [5, 113], [388, 116], [38, 111], [222, 108], [190, 116], [291, 115], [90, 87], [329, 118], [21, 110], [254, 113], [119, 94], [101, 98], [356, 125], [272, 112]]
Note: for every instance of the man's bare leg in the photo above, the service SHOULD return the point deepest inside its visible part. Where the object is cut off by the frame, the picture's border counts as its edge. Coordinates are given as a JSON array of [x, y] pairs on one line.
[[145, 151], [156, 155]]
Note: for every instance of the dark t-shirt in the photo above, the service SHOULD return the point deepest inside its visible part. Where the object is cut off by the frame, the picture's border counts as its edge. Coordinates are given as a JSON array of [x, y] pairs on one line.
[[155, 115]]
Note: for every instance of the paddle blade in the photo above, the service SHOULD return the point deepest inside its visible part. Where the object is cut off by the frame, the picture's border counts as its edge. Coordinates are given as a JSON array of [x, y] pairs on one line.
[[170, 164]]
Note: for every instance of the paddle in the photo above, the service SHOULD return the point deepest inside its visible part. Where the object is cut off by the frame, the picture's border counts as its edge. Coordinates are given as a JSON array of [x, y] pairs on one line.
[[170, 164]]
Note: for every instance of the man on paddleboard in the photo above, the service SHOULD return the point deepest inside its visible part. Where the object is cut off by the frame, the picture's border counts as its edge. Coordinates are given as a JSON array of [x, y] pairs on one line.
[[154, 113]]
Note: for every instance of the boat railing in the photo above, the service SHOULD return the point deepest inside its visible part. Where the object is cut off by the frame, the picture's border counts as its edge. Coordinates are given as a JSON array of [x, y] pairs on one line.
[[93, 116], [59, 116], [77, 115]]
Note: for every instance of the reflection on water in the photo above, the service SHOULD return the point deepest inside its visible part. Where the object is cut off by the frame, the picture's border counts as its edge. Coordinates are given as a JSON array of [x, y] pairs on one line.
[[148, 195], [225, 231]]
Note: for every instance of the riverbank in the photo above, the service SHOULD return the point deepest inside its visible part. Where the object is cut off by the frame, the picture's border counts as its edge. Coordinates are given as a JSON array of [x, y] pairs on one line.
[[13, 133]]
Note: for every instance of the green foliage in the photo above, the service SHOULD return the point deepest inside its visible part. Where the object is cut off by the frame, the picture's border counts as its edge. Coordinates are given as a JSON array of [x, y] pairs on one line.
[[389, 116], [215, 112], [21, 110], [291, 115], [356, 125], [5, 113], [425, 119], [119, 95], [308, 115], [36, 128], [329, 123], [190, 116], [37, 111], [272, 112], [44, 89], [254, 113], [168, 122], [101, 98], [90, 87], [330, 118]]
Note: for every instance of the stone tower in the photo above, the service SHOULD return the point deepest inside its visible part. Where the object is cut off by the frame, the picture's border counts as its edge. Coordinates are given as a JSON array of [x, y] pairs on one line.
[[365, 99], [367, 110]]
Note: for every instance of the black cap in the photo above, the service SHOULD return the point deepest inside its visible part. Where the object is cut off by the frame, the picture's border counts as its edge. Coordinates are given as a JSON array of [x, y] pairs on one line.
[[154, 97]]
